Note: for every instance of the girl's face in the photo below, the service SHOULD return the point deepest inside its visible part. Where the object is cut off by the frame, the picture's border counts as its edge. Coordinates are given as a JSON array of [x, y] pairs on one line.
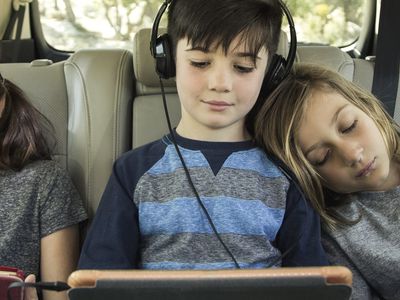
[[217, 90], [345, 146]]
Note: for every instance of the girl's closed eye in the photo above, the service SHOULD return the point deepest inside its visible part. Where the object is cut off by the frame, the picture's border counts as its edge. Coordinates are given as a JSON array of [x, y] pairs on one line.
[[321, 161], [350, 128]]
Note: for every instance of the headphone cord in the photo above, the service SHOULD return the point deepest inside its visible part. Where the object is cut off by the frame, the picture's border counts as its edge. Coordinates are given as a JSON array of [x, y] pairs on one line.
[[190, 179], [57, 286]]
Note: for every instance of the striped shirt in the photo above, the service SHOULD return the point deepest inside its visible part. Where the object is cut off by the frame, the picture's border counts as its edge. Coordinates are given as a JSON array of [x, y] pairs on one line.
[[150, 218]]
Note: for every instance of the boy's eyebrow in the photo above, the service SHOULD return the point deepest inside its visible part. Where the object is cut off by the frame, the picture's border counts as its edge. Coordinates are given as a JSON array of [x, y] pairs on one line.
[[333, 121], [247, 54], [198, 48], [238, 54]]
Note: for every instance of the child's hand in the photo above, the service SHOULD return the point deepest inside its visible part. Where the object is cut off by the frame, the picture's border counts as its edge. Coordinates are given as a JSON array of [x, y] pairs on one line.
[[30, 293]]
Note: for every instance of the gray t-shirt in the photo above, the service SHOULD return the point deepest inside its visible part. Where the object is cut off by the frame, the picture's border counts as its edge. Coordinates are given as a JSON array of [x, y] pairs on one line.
[[371, 248], [35, 202]]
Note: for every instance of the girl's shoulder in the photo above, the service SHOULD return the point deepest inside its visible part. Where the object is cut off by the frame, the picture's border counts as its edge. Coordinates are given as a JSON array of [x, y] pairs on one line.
[[36, 172], [37, 180], [43, 168]]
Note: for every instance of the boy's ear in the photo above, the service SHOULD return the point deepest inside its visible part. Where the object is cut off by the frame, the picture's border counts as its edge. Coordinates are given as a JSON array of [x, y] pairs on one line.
[[165, 64]]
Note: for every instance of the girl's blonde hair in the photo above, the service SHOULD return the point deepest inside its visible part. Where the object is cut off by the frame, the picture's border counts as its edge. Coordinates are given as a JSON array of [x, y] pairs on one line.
[[278, 120]]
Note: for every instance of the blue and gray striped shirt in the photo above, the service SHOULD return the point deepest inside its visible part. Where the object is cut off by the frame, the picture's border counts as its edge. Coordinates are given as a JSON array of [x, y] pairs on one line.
[[150, 218]]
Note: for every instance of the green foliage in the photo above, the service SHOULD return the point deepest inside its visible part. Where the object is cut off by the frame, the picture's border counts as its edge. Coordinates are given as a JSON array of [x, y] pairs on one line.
[[97, 23], [334, 22], [128, 16]]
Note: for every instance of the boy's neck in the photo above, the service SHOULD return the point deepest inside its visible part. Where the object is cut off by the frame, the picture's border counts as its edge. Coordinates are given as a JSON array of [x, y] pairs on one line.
[[213, 135]]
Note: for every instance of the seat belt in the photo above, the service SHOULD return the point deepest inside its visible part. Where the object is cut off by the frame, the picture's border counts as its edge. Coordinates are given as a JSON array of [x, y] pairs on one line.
[[386, 71], [16, 15], [18, 49]]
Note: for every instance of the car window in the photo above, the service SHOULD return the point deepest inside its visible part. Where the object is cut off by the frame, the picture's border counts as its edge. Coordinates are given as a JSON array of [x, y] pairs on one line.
[[74, 24], [70, 25], [331, 22]]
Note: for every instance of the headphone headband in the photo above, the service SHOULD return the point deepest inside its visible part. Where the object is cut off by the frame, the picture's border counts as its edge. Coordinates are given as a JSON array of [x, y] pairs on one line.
[[293, 39], [278, 69], [154, 31]]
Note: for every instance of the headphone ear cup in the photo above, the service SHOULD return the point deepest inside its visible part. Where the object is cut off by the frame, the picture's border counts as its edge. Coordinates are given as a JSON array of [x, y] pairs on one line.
[[272, 78], [274, 75], [165, 65]]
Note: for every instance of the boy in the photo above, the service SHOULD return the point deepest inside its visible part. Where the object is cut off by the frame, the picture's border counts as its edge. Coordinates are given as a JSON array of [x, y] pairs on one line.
[[253, 216]]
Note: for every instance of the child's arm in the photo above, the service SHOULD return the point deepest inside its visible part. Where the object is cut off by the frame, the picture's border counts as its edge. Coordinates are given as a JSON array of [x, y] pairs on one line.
[[59, 256], [300, 233], [112, 240], [336, 256]]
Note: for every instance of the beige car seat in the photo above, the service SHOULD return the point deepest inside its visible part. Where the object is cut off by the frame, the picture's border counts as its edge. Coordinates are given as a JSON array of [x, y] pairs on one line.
[[88, 99]]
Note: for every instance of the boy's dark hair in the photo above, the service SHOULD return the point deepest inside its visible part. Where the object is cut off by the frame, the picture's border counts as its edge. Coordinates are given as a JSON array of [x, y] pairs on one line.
[[23, 129], [218, 23]]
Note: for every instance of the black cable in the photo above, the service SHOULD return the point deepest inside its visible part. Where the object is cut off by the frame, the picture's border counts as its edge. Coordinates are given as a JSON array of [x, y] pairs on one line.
[[57, 286], [190, 178]]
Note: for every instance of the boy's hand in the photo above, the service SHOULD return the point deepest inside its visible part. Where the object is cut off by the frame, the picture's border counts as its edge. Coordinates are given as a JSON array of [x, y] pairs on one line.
[[30, 293]]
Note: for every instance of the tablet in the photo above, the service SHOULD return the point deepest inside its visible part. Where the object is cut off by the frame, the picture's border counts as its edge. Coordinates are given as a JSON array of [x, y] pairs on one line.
[[333, 282]]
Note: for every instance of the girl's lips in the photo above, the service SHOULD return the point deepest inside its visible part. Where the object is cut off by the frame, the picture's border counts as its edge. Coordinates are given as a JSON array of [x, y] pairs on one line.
[[367, 169]]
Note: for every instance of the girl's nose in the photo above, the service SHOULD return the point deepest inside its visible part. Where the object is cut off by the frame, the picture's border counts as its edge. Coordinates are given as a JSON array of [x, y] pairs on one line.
[[351, 154]]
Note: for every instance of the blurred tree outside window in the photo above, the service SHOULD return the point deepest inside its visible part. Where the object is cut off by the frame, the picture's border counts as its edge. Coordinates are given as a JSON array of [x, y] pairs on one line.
[[75, 24], [330, 22]]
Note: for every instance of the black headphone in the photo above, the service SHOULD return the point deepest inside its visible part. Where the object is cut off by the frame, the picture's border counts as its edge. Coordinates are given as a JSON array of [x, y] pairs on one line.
[[279, 67]]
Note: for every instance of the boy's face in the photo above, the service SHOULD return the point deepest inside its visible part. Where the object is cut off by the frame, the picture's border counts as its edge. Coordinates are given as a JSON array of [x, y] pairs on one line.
[[345, 146], [217, 90]]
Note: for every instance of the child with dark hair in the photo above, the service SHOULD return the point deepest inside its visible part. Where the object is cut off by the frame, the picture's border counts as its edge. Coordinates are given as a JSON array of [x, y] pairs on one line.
[[242, 212], [39, 207]]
